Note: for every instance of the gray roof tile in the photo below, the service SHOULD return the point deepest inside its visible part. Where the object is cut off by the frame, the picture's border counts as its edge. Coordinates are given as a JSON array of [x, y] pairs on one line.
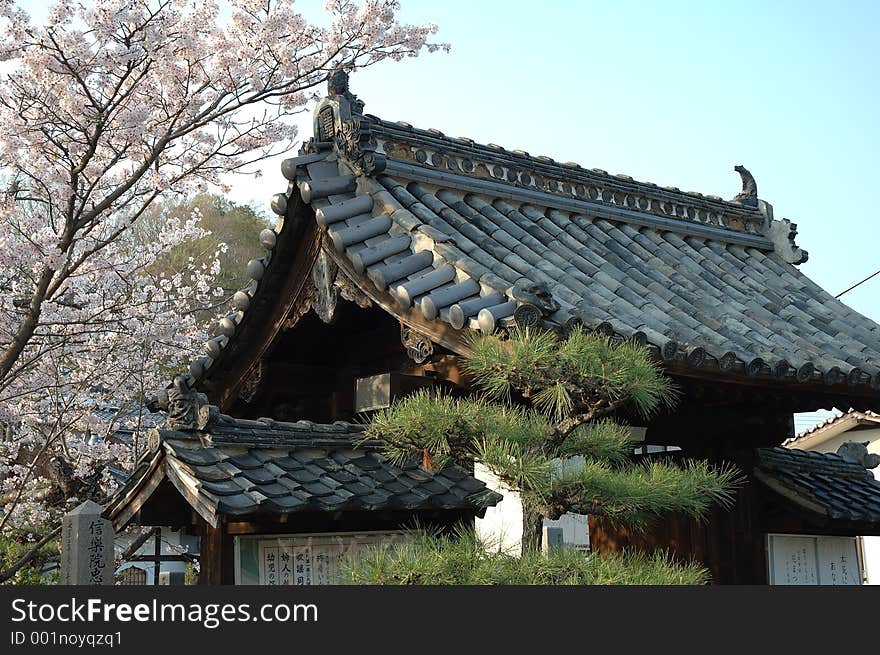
[[222, 487], [293, 468], [843, 489], [711, 291], [246, 461], [685, 269]]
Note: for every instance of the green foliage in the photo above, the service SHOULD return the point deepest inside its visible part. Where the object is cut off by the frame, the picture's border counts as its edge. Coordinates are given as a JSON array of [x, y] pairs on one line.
[[637, 494], [427, 422], [431, 559], [544, 428], [457, 428], [13, 549], [562, 376], [236, 226], [517, 465], [604, 440]]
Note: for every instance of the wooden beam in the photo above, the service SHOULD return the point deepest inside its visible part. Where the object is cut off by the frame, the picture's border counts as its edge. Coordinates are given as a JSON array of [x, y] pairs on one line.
[[162, 558]]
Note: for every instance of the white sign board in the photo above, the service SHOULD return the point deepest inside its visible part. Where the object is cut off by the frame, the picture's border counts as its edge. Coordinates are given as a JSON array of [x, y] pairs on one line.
[[312, 559], [813, 560]]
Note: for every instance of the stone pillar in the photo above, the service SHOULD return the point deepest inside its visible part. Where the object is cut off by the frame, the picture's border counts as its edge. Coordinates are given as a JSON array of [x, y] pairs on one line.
[[86, 546]]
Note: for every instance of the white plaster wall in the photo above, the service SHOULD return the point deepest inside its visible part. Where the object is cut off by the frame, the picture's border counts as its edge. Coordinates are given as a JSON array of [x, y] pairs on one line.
[[871, 554], [502, 524]]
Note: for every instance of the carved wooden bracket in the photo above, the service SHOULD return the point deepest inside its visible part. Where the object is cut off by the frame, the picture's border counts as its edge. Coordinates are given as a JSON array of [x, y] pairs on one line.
[[419, 347], [251, 382], [351, 292], [323, 277], [329, 284]]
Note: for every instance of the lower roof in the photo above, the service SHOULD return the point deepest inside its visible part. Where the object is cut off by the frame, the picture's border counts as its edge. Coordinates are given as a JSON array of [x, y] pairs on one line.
[[824, 484], [238, 467]]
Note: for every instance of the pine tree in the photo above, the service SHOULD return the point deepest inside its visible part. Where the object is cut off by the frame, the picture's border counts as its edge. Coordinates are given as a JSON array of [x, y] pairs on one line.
[[542, 422]]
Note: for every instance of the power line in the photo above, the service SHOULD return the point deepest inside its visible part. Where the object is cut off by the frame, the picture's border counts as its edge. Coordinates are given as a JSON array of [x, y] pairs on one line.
[[874, 274]]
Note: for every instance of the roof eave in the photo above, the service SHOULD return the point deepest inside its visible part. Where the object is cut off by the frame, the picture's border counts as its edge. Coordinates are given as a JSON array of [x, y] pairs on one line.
[[132, 496]]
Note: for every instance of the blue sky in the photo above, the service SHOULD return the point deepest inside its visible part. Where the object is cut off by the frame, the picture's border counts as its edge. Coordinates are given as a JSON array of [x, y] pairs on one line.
[[669, 92]]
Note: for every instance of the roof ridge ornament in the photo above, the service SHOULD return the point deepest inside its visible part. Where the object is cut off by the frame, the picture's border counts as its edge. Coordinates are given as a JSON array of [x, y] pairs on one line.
[[782, 234], [337, 85], [339, 123], [535, 300], [186, 408], [857, 453], [748, 197]]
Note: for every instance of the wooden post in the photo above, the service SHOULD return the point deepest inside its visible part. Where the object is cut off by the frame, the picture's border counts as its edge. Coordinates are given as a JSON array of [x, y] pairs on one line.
[[157, 553], [217, 559]]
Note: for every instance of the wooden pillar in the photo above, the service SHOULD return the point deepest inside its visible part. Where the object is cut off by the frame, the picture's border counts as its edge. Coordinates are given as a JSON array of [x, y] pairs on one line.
[[157, 553], [217, 556]]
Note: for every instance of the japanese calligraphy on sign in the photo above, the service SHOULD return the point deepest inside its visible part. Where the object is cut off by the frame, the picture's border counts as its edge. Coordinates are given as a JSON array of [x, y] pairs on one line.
[[307, 559], [808, 560], [86, 546], [96, 551]]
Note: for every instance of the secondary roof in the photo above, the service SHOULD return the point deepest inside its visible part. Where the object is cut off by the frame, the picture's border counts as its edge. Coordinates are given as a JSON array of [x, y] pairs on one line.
[[242, 467], [824, 484]]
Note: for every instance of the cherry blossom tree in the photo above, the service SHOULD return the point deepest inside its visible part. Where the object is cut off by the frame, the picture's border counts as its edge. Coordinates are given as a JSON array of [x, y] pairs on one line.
[[106, 108]]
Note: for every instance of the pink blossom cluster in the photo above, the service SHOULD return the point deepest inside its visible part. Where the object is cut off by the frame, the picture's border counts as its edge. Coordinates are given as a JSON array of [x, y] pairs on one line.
[[107, 107]]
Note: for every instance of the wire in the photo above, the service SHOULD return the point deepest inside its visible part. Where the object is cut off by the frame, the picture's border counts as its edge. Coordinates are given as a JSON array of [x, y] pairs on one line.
[[874, 274]]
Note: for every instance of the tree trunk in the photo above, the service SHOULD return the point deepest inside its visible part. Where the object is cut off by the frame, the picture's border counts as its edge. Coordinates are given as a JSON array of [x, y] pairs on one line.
[[9, 573], [533, 528]]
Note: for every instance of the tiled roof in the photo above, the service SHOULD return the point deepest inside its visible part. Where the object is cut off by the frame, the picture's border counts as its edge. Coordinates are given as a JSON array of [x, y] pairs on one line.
[[824, 483], [478, 237], [239, 466], [852, 417]]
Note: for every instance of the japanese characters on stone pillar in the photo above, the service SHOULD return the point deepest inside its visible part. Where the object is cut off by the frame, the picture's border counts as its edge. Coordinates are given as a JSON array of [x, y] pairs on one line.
[[86, 546]]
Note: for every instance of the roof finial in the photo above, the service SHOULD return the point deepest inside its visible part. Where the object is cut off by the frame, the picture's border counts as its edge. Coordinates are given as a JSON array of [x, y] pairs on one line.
[[337, 81], [337, 87], [749, 194], [186, 408], [857, 453]]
